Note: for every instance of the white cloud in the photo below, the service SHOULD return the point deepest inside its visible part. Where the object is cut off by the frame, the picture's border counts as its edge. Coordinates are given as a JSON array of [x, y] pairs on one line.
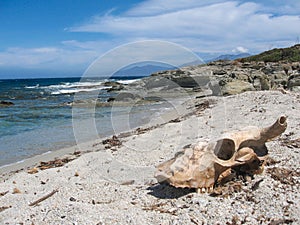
[[287, 7], [206, 26], [45, 57], [156, 7], [240, 49], [45, 50], [141, 51], [223, 25]]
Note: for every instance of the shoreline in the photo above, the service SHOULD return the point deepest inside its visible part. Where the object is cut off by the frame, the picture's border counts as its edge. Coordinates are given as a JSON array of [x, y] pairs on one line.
[[166, 114]]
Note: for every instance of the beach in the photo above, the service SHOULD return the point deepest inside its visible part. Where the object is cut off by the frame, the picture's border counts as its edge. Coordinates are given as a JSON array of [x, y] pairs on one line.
[[112, 181], [150, 112]]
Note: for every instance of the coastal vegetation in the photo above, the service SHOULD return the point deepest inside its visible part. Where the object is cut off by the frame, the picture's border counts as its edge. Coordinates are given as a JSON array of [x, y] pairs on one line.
[[290, 54]]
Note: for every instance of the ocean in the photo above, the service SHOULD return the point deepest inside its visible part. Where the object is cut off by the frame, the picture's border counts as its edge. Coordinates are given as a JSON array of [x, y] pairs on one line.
[[40, 119]]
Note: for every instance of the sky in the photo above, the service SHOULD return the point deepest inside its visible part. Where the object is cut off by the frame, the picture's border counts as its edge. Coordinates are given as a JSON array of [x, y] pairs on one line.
[[58, 38]]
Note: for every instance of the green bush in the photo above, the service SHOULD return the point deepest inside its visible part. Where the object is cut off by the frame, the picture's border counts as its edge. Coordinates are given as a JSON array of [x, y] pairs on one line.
[[291, 54]]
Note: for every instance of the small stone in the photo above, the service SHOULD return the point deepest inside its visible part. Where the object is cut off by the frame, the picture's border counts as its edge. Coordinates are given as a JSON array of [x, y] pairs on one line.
[[16, 191], [72, 199], [33, 170]]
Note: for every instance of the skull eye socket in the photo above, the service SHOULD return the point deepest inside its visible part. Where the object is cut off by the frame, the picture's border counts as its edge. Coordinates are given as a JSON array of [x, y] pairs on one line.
[[224, 149]]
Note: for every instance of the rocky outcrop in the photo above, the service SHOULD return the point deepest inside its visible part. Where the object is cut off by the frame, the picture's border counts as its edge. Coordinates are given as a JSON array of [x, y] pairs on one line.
[[216, 78], [236, 87], [277, 68], [232, 77], [294, 82], [125, 97], [114, 86], [6, 103]]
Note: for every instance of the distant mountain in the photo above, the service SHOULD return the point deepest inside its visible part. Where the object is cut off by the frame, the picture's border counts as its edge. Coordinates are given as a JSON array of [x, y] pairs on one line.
[[291, 54], [144, 70], [194, 63], [229, 57]]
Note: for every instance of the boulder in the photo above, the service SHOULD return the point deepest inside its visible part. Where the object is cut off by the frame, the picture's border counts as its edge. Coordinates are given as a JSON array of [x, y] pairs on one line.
[[125, 97], [264, 83], [185, 81], [239, 76], [236, 87], [294, 82], [159, 82], [215, 87], [6, 103], [220, 72], [111, 84], [261, 81], [115, 86]]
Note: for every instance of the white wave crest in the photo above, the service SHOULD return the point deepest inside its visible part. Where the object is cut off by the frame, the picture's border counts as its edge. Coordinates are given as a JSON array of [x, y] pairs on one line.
[[73, 91], [75, 85], [33, 87], [127, 81]]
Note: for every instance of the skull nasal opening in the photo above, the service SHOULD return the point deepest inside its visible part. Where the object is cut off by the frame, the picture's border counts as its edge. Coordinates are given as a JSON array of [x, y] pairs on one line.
[[224, 149], [282, 120]]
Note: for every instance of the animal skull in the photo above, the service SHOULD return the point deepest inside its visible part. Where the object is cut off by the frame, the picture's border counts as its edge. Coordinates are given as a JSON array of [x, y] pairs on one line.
[[199, 166]]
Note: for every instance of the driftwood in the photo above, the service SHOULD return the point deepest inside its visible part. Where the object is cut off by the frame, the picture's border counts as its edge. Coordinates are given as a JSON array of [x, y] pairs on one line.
[[3, 193], [43, 198], [57, 162], [2, 208], [112, 142]]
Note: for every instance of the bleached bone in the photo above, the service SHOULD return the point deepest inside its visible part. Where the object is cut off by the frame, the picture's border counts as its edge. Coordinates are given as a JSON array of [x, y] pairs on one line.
[[199, 166]]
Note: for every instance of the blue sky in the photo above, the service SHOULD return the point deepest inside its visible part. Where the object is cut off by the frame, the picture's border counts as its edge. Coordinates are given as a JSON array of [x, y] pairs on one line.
[[63, 37]]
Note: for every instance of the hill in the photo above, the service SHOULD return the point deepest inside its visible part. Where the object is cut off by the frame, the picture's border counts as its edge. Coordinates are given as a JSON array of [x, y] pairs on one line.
[[229, 57], [142, 70], [290, 54]]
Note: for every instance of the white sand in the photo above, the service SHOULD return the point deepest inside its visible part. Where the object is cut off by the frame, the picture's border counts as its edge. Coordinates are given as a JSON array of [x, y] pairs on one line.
[[116, 186]]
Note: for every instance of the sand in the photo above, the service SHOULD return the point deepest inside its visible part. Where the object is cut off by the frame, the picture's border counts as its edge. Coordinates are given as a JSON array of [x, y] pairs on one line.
[[115, 184]]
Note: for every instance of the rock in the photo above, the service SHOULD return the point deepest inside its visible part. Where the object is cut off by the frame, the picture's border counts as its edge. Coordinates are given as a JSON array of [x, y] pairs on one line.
[[219, 72], [279, 75], [125, 97], [159, 82], [115, 86], [268, 69], [287, 68], [256, 84], [260, 81], [178, 72], [185, 81], [264, 83], [236, 87], [239, 76], [215, 88], [6, 103], [111, 99], [276, 83], [153, 99], [111, 83], [295, 66], [294, 82]]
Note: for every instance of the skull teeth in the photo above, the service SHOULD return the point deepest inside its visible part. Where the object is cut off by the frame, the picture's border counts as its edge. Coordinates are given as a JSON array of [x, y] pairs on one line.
[[205, 190]]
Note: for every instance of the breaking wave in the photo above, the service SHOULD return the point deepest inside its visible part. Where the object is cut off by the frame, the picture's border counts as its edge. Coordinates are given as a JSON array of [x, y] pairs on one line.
[[78, 86], [72, 91]]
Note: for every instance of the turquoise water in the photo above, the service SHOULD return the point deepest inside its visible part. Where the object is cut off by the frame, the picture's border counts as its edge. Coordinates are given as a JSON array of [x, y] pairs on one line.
[[41, 118]]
